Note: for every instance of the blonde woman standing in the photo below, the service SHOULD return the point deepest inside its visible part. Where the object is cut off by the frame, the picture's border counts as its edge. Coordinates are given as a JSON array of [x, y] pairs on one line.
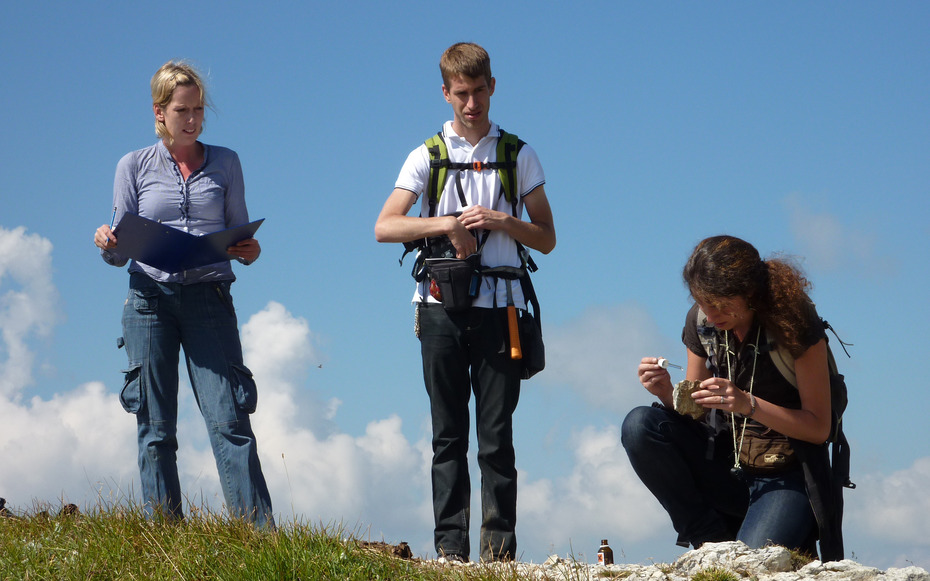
[[198, 188]]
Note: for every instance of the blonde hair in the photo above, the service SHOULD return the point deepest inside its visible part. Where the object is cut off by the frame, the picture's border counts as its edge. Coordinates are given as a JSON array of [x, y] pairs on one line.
[[171, 75], [467, 59]]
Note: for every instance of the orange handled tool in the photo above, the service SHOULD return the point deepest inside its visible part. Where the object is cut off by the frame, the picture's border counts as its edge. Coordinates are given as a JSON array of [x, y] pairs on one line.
[[513, 326], [515, 352]]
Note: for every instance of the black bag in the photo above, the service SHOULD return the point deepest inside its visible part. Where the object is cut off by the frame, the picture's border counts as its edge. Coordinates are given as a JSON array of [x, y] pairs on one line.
[[453, 281], [531, 343], [531, 339]]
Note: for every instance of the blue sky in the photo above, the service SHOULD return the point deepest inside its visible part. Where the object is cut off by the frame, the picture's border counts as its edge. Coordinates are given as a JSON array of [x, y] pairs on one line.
[[800, 126]]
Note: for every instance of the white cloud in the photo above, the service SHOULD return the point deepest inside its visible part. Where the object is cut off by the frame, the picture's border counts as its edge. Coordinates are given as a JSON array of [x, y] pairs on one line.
[[893, 506], [278, 346], [828, 245], [73, 447], [600, 493], [28, 306], [886, 521], [280, 349], [315, 471]]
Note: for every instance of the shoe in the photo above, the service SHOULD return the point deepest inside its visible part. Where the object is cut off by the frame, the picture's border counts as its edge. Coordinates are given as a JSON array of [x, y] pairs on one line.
[[492, 557], [452, 559]]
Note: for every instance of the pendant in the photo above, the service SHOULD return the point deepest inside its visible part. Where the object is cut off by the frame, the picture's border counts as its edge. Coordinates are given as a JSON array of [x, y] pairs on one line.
[[737, 473]]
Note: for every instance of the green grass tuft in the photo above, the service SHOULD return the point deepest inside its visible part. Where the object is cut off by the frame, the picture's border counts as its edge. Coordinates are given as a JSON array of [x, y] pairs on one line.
[[715, 574], [119, 543]]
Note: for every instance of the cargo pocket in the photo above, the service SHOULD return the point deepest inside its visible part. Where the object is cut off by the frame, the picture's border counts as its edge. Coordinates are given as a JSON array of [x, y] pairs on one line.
[[145, 300], [131, 395], [244, 389]]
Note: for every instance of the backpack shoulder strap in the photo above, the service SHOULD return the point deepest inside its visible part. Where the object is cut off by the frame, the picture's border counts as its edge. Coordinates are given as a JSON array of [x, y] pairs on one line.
[[784, 361], [438, 170], [508, 147], [708, 340]]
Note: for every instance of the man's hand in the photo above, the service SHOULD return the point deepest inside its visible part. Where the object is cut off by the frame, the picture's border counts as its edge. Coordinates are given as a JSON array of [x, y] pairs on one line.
[[461, 238], [479, 217]]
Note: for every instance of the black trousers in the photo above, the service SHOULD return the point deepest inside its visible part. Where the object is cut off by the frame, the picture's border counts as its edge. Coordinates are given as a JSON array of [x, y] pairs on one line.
[[463, 353]]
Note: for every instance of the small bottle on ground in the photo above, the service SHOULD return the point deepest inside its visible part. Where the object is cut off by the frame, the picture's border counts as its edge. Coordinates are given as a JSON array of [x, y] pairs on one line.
[[605, 555]]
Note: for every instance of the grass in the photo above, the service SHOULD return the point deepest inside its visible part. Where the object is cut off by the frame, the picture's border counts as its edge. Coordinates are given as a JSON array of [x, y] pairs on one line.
[[799, 559], [715, 574], [119, 543], [614, 574]]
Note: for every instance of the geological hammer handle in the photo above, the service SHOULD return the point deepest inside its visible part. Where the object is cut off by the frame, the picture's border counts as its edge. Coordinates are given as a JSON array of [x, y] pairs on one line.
[[515, 351]]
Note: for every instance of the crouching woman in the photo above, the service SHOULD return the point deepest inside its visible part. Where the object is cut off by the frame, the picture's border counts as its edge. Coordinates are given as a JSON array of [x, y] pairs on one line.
[[753, 467]]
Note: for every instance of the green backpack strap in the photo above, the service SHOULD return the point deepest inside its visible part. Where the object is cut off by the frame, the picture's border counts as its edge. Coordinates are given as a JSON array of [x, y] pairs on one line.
[[508, 147], [438, 170]]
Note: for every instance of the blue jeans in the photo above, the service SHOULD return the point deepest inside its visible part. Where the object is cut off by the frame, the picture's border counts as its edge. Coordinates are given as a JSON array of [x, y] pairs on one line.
[[779, 512], [159, 319], [669, 452], [464, 353], [706, 503]]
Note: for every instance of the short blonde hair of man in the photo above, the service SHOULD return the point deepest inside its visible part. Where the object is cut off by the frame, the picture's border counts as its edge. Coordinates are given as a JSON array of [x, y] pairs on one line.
[[171, 75], [465, 59]]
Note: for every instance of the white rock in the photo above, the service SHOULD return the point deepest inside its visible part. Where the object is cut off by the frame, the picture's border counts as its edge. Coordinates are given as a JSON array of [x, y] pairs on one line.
[[766, 564], [735, 555], [906, 574]]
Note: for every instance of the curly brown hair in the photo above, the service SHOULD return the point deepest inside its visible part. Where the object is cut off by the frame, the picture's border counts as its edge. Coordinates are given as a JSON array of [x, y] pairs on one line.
[[723, 267]]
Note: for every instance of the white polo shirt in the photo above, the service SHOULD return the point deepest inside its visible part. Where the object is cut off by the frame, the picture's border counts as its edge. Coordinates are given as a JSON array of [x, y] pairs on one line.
[[482, 188]]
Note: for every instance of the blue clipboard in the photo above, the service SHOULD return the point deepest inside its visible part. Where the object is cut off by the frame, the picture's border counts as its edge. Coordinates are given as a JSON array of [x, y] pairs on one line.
[[173, 250]]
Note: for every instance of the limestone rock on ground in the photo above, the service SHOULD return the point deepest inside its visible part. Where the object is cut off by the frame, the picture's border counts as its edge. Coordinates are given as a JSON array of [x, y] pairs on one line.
[[766, 564]]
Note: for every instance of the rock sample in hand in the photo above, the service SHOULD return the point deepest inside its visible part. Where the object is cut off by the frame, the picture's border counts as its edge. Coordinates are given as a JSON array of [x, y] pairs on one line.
[[684, 404]]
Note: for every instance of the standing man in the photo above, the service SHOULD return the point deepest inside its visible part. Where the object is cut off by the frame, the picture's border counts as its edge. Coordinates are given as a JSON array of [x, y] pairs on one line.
[[467, 350]]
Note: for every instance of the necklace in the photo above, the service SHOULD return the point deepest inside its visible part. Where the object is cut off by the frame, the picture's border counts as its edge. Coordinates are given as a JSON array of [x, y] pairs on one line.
[[737, 447]]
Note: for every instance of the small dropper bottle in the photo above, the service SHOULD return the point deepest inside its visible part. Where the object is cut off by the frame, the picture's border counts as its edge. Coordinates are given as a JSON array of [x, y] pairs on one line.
[[605, 555]]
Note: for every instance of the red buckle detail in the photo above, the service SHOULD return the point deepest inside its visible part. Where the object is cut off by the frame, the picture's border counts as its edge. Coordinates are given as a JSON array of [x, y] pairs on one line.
[[434, 290], [477, 166]]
